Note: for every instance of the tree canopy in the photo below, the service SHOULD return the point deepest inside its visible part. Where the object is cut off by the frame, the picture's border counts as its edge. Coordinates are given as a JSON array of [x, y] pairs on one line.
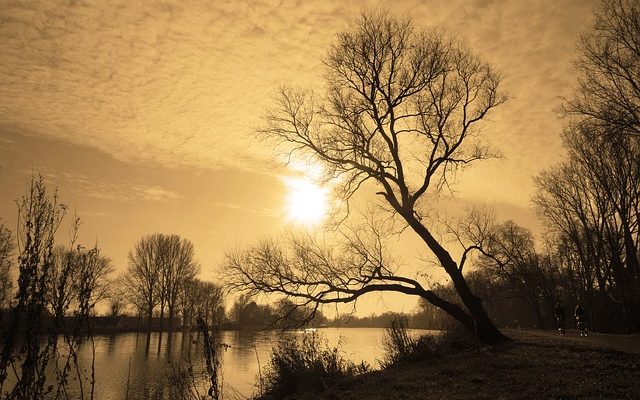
[[400, 114]]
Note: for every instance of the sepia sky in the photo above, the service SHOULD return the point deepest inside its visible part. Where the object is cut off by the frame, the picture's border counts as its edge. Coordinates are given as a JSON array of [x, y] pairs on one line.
[[142, 113]]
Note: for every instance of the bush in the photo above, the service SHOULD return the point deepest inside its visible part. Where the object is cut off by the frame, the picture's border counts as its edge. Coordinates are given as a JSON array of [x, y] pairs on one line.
[[304, 366], [400, 347]]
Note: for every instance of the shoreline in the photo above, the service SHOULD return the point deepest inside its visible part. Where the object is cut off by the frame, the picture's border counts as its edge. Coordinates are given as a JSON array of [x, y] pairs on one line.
[[536, 364]]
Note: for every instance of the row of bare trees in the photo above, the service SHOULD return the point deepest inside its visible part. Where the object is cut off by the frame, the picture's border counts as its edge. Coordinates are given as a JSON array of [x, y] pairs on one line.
[[161, 277], [591, 202]]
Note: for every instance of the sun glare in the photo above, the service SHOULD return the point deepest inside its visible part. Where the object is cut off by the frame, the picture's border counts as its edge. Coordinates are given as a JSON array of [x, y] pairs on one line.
[[306, 201]]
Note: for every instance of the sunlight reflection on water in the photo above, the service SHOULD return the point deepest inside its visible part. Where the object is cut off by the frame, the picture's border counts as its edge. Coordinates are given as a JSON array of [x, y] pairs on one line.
[[154, 358]]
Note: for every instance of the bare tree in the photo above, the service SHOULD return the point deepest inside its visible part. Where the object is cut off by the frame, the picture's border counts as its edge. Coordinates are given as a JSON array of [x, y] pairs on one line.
[[159, 268], [591, 205], [117, 296], [64, 276], [7, 247], [608, 93], [400, 116], [178, 267], [60, 290], [93, 276], [213, 304], [201, 299], [511, 259], [187, 303], [39, 217], [143, 275]]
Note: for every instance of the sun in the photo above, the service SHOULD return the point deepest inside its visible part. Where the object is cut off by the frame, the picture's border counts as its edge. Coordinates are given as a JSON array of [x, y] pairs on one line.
[[306, 201]]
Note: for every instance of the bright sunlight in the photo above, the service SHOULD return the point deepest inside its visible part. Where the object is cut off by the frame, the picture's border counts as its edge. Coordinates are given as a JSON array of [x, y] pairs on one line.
[[306, 201]]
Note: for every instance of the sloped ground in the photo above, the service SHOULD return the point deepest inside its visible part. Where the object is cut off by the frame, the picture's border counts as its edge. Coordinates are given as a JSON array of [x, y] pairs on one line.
[[536, 365]]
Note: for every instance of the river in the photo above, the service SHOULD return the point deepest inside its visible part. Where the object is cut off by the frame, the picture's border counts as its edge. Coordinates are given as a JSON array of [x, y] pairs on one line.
[[133, 366]]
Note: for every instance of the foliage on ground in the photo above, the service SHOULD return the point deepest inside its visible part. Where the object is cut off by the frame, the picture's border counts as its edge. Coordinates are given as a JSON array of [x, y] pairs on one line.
[[530, 367], [402, 347], [308, 365]]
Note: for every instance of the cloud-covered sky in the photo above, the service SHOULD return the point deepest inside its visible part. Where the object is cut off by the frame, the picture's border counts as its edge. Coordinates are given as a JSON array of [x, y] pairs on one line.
[[143, 112]]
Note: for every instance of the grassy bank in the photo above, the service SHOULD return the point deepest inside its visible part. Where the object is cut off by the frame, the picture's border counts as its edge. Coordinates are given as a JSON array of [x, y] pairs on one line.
[[531, 367]]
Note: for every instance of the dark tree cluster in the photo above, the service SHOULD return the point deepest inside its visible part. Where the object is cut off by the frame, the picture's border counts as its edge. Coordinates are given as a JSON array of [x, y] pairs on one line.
[[383, 320], [591, 202], [161, 278], [246, 314]]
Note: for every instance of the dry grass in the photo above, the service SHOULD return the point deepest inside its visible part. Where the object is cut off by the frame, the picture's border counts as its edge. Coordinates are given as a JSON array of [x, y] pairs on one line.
[[529, 368]]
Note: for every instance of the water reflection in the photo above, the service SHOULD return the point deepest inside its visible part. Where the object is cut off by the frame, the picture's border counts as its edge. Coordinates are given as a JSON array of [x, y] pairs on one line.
[[136, 364]]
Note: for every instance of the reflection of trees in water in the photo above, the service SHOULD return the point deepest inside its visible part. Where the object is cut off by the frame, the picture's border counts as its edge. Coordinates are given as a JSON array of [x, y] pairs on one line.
[[111, 343], [244, 343], [124, 357], [159, 343], [155, 359]]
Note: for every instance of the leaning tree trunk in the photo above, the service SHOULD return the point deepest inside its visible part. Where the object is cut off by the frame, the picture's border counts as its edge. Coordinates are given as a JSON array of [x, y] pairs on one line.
[[483, 327]]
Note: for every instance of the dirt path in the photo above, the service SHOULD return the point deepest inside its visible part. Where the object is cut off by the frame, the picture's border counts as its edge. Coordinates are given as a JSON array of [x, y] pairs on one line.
[[623, 343]]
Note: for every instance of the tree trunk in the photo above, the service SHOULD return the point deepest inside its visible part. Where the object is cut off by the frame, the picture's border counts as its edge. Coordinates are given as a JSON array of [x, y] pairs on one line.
[[450, 308], [149, 316], [483, 327], [161, 317], [171, 315], [206, 315], [538, 314], [186, 317]]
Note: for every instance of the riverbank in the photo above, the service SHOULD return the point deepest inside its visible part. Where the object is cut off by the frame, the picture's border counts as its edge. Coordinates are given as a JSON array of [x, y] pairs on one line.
[[536, 365]]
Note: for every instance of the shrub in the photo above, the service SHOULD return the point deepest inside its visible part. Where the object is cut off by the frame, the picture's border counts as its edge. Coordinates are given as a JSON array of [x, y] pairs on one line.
[[306, 366], [400, 347]]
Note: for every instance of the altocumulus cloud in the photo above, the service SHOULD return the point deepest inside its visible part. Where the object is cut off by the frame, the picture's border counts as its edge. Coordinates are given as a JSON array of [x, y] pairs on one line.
[[184, 83], [121, 191], [176, 83]]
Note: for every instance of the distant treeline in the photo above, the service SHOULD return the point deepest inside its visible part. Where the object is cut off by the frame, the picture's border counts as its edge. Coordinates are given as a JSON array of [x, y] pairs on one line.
[[589, 256], [245, 313], [416, 320]]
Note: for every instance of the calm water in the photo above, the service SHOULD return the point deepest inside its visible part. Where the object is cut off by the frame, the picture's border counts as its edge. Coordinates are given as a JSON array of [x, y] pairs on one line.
[[144, 362]]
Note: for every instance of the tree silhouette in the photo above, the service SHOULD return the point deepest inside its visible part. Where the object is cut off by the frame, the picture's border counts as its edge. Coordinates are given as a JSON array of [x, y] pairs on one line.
[[400, 115], [143, 275], [160, 267], [6, 251], [591, 202], [608, 93], [177, 267]]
